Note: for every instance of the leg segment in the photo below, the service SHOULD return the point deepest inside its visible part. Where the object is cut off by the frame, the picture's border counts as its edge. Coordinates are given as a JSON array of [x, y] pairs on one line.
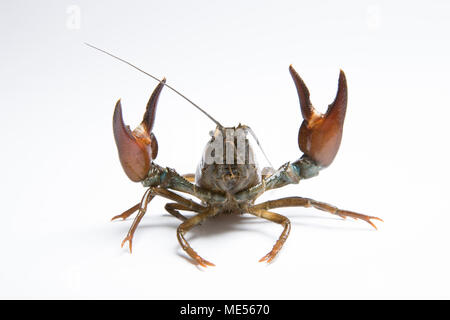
[[192, 205], [306, 202], [148, 196], [173, 208], [185, 227], [142, 209], [189, 177], [127, 213], [277, 218]]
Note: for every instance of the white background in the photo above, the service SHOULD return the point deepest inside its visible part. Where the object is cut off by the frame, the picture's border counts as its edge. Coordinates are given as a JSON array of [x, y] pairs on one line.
[[61, 180]]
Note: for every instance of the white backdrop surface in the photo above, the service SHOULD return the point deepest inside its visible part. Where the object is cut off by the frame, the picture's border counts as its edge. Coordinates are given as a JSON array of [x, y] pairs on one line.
[[62, 180]]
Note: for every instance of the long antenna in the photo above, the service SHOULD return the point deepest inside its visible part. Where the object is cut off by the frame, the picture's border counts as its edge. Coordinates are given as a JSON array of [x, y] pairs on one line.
[[259, 145], [148, 74]]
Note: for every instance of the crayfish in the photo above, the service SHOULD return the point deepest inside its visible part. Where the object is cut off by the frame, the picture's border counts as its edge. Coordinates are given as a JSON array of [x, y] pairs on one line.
[[227, 180]]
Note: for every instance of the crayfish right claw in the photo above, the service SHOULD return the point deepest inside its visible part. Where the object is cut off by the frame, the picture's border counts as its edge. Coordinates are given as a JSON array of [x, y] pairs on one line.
[[320, 134], [139, 147]]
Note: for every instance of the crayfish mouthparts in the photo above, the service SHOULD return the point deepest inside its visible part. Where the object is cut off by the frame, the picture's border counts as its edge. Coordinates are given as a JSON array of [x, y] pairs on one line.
[[139, 147], [320, 134]]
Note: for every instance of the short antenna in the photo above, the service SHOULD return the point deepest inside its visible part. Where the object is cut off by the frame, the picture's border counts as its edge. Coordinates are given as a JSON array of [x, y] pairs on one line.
[[168, 86]]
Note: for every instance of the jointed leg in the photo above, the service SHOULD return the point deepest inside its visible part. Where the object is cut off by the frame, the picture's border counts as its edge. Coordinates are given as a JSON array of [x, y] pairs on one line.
[[277, 218], [142, 209], [305, 202], [189, 177], [127, 213], [148, 196], [173, 208], [188, 225], [194, 206]]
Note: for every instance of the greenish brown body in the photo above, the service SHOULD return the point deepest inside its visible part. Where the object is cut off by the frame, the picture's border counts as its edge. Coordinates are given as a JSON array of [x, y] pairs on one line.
[[228, 180]]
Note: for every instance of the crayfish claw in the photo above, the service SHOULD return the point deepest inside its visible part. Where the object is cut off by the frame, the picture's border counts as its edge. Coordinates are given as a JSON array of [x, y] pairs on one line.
[[320, 134], [139, 147], [358, 216], [202, 262], [268, 257], [272, 254], [130, 242]]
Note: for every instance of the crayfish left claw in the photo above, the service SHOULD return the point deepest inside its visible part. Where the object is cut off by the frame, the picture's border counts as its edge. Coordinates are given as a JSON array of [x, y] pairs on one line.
[[320, 134]]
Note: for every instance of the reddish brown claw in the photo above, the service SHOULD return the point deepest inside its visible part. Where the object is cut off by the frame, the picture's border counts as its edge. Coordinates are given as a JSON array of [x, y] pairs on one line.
[[204, 263], [194, 255], [356, 216], [371, 223], [268, 257], [130, 243], [272, 254], [139, 147], [320, 134]]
